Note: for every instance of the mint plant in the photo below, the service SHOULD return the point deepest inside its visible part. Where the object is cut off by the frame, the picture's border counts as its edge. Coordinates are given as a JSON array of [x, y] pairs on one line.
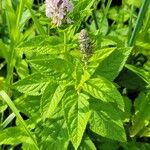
[[74, 76]]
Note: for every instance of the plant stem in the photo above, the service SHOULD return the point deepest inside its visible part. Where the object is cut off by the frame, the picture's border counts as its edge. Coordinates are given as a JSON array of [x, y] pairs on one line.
[[107, 8], [95, 19], [130, 21], [139, 22], [147, 24], [10, 67], [65, 43], [1, 11]]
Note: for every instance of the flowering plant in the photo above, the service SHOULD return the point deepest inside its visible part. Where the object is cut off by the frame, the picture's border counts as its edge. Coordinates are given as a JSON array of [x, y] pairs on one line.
[[77, 90]]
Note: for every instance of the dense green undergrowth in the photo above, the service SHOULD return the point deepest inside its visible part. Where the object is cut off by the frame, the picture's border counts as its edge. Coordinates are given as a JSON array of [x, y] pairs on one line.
[[83, 85]]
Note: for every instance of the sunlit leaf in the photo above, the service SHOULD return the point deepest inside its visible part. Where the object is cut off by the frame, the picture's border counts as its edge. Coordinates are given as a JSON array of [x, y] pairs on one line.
[[76, 112]]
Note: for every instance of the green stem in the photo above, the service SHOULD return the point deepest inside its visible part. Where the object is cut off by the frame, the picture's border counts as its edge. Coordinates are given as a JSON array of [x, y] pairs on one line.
[[106, 11], [95, 19], [139, 22], [0, 6], [107, 8], [65, 43], [10, 68], [147, 24], [130, 21]]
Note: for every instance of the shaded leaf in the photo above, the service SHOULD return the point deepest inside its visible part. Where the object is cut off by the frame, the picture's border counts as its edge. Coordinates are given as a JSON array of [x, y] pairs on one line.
[[140, 72], [87, 144], [13, 136], [53, 134], [142, 111], [104, 90], [105, 121]]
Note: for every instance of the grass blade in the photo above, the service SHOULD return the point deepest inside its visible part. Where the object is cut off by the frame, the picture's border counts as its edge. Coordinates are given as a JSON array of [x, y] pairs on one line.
[[139, 22], [8, 120], [6, 98]]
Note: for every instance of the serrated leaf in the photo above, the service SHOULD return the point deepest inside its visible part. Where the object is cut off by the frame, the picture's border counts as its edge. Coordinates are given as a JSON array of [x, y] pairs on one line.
[[51, 98], [41, 45], [113, 64], [104, 90], [105, 121], [42, 40], [13, 136], [53, 134], [142, 111], [39, 50], [29, 105], [76, 112], [101, 54], [22, 68], [34, 84], [98, 57], [54, 66]]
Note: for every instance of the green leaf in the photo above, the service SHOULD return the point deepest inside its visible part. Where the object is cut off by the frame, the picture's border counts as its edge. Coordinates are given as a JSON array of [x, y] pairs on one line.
[[105, 121], [136, 3], [80, 7], [53, 134], [11, 21], [140, 72], [22, 68], [29, 105], [42, 40], [146, 132], [51, 98], [104, 90], [76, 112], [42, 44], [19, 13], [87, 144], [40, 50], [34, 84], [142, 111], [3, 50], [113, 64], [52, 65], [13, 136], [98, 57]]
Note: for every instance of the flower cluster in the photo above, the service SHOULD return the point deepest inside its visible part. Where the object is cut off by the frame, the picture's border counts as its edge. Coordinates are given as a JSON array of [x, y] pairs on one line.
[[85, 44], [57, 11]]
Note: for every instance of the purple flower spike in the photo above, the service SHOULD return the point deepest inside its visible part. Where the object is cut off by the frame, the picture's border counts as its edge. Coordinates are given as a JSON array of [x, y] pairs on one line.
[[57, 11]]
